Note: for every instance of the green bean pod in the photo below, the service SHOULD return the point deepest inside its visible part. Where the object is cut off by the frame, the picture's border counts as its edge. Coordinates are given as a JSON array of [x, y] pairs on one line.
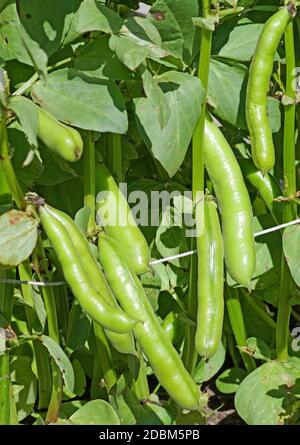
[[121, 342], [157, 347], [234, 202], [210, 284], [118, 221], [263, 152], [91, 302], [266, 185], [63, 140]]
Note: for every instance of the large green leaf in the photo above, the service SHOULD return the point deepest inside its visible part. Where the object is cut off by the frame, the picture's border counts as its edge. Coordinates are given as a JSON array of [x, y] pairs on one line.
[[270, 395], [94, 16], [173, 19], [24, 387], [47, 25], [78, 100], [16, 43], [291, 244], [18, 235], [98, 60], [96, 412], [236, 39], [226, 91], [169, 144]]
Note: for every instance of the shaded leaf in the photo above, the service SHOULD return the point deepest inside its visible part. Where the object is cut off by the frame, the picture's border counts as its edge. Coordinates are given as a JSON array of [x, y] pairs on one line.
[[229, 381]]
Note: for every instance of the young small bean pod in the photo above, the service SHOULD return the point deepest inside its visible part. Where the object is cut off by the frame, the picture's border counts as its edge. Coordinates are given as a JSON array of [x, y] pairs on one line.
[[263, 152], [156, 345], [91, 302], [210, 283], [57, 137], [266, 185], [119, 221], [234, 202]]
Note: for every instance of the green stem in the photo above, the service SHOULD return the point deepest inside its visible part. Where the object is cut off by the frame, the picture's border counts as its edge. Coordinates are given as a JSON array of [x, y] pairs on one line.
[[28, 84], [114, 155], [53, 331], [6, 295], [189, 352], [4, 389], [104, 353], [6, 166], [290, 212], [255, 305], [41, 356], [89, 180], [235, 313]]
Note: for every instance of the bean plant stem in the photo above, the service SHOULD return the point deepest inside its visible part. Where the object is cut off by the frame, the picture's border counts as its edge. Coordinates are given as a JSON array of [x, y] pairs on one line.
[[6, 165], [41, 356], [105, 356], [235, 313], [27, 85], [5, 389], [189, 353], [42, 270], [289, 173], [89, 180]]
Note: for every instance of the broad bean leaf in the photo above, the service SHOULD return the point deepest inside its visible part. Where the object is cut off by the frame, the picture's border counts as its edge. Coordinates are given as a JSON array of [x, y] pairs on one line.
[[137, 40], [291, 243], [26, 112], [24, 386], [94, 16], [47, 25], [18, 235], [96, 59], [173, 19], [78, 100], [95, 412], [270, 395], [154, 92], [226, 91], [169, 144], [129, 52], [229, 381], [16, 43], [236, 40], [207, 369]]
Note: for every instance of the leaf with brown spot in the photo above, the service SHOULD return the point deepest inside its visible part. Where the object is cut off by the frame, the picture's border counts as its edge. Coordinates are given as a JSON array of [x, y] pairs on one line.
[[18, 235]]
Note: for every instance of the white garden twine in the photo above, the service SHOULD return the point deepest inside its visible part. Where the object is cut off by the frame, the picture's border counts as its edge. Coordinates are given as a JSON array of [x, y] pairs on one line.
[[152, 263]]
